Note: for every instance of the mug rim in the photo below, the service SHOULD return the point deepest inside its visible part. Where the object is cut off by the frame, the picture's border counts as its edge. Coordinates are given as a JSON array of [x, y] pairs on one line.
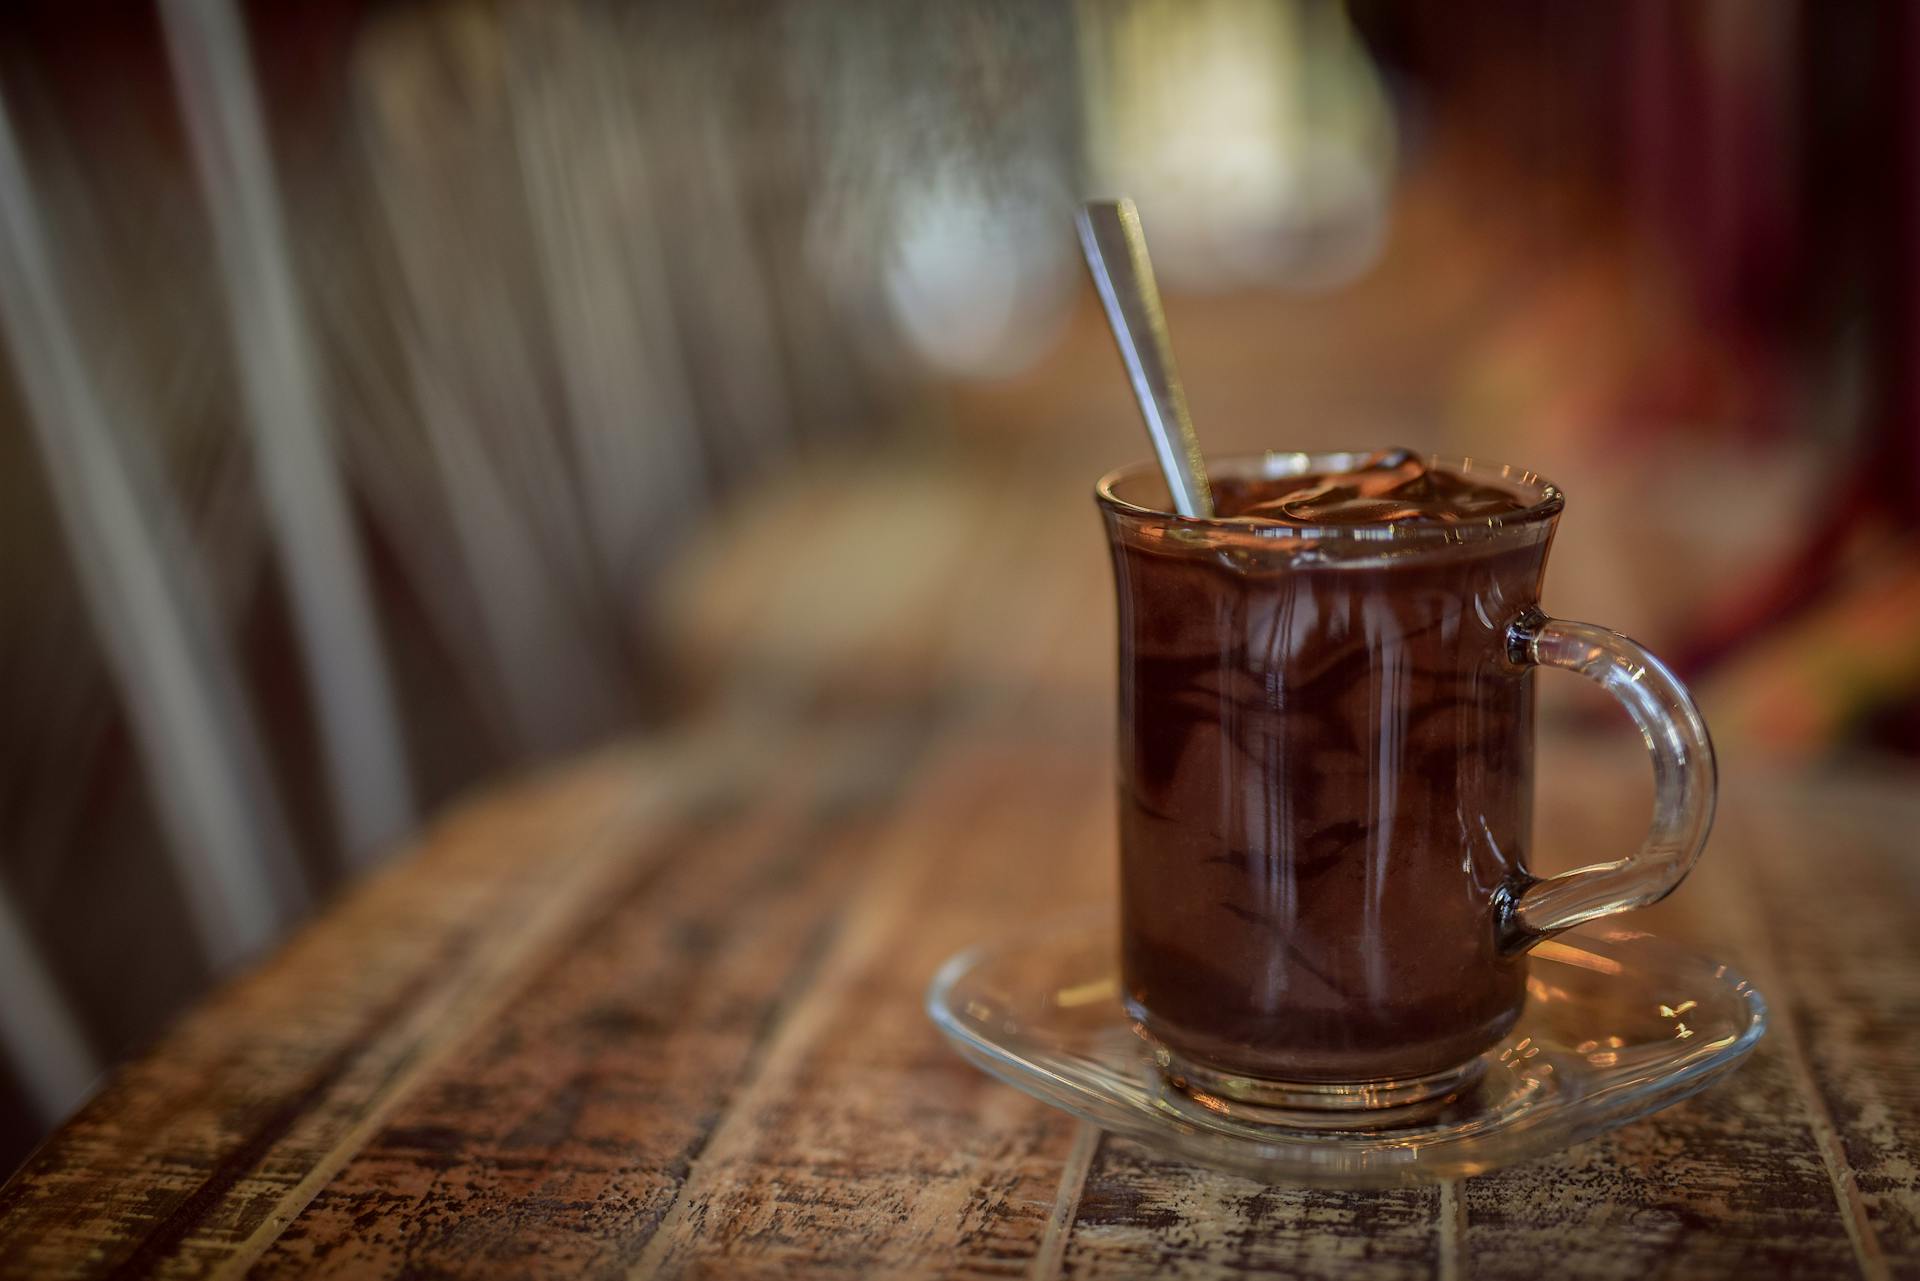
[[1275, 463]]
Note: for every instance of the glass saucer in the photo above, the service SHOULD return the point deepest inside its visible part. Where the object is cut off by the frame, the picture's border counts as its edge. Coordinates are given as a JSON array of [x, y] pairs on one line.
[[1617, 1025]]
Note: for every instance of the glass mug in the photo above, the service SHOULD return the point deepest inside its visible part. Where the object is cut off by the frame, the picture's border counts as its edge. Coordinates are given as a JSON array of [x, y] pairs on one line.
[[1326, 773]]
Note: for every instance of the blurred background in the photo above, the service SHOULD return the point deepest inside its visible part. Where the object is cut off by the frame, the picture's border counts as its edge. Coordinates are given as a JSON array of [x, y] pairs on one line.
[[399, 394]]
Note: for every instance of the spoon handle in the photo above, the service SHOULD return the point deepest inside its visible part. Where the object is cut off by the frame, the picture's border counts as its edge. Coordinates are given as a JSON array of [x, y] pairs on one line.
[[1116, 250]]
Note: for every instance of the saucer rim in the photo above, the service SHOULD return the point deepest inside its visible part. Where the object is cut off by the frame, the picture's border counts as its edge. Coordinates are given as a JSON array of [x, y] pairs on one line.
[[1598, 1112]]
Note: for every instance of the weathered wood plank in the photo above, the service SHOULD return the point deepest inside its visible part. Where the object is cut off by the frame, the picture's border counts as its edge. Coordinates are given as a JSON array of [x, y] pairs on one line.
[[863, 1147], [1838, 877], [1049, 1256], [188, 1148], [243, 1114], [557, 1137], [1730, 1184], [1141, 1214]]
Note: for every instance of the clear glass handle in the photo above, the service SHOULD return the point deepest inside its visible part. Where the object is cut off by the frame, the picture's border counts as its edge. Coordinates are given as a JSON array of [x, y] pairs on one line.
[[1683, 780]]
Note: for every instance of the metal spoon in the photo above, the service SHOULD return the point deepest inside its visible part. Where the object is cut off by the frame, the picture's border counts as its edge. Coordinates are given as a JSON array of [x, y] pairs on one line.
[[1116, 250]]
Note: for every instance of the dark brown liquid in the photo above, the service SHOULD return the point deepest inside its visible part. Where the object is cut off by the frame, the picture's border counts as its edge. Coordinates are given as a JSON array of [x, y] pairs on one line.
[[1325, 780], [1392, 487]]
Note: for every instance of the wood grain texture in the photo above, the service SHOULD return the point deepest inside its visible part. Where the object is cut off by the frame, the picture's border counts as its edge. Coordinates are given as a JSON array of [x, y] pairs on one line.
[[1145, 1215], [193, 1146], [559, 1134], [864, 1148], [1845, 976], [660, 1015]]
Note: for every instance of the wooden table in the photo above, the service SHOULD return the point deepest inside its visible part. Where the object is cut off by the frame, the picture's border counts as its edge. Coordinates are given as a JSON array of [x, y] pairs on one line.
[[659, 1012]]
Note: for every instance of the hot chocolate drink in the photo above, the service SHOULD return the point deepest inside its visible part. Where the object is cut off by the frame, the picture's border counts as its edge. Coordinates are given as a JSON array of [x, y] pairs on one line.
[[1325, 765], [1392, 486]]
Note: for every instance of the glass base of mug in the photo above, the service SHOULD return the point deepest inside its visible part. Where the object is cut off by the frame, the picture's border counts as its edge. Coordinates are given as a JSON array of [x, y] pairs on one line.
[[1361, 1105]]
